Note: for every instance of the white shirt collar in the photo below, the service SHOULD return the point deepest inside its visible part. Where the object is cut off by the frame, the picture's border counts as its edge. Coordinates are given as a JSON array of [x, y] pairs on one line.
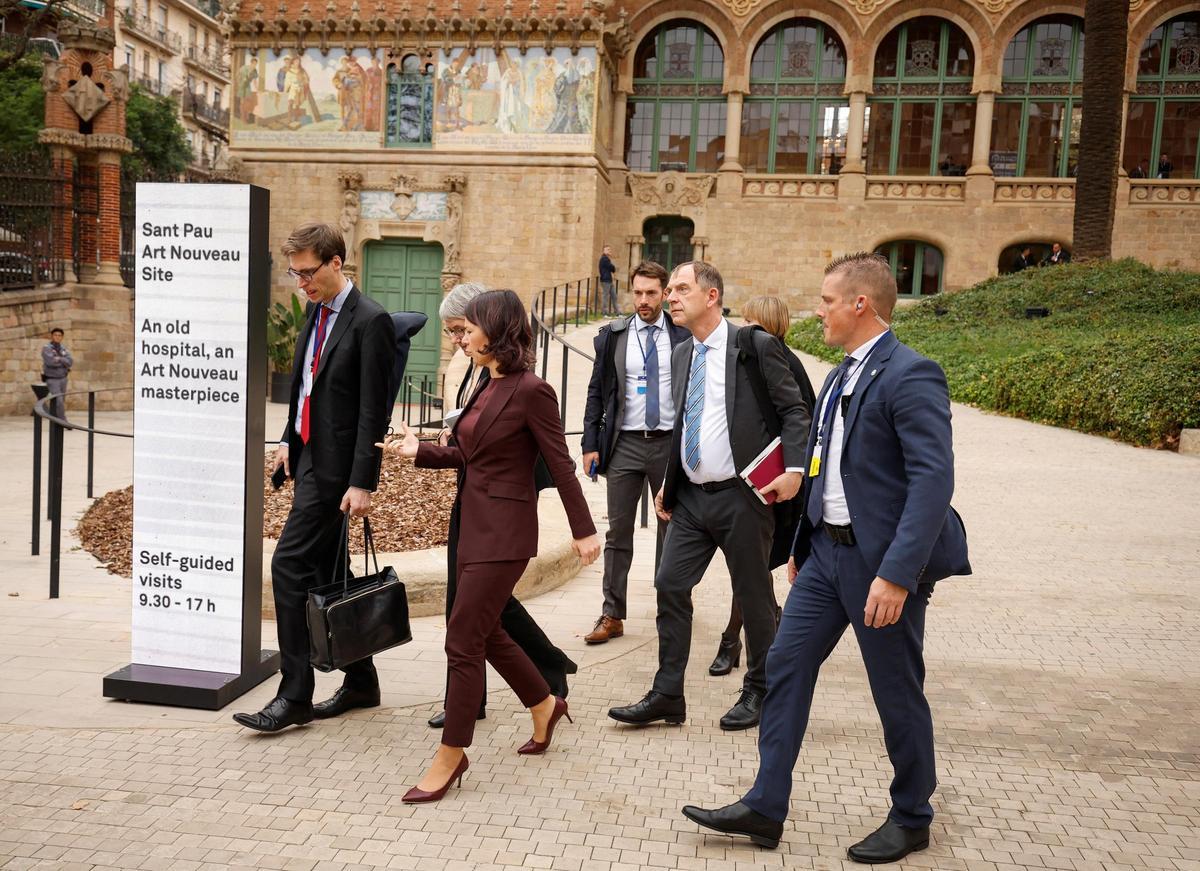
[[338, 301], [860, 353], [717, 338]]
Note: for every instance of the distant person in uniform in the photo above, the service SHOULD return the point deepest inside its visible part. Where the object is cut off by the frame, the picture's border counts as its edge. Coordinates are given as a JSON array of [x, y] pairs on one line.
[[56, 366], [1138, 171], [1164, 167], [1024, 259]]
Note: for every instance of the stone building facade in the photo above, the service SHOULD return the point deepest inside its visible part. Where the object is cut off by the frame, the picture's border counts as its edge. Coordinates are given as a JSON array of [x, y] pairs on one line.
[[764, 135]]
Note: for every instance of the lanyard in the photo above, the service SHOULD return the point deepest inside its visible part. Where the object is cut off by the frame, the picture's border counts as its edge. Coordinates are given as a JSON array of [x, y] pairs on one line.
[[835, 396]]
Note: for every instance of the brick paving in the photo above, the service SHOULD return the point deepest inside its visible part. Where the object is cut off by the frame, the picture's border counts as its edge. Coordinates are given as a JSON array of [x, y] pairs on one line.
[[1063, 677]]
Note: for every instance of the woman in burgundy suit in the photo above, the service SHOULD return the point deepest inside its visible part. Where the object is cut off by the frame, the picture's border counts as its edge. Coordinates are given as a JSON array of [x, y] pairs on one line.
[[498, 437]]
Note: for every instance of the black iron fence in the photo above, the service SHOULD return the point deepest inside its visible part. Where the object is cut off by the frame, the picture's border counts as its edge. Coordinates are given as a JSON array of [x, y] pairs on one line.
[[32, 215]]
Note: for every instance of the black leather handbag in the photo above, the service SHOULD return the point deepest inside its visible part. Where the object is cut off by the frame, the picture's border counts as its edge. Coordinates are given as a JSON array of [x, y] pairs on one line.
[[354, 618]]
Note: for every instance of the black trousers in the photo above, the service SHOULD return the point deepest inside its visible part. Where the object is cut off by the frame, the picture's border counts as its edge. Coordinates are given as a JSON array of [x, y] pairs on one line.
[[304, 558], [514, 619], [735, 521]]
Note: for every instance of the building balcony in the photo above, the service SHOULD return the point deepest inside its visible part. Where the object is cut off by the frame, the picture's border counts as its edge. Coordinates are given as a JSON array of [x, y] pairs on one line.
[[211, 8], [92, 10], [213, 118], [148, 28], [151, 85], [212, 62]]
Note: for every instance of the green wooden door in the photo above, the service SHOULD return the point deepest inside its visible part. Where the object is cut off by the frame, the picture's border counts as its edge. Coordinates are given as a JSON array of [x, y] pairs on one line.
[[406, 276]]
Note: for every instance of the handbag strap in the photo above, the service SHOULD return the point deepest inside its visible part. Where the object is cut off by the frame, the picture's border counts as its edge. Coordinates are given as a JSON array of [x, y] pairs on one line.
[[369, 545], [342, 560]]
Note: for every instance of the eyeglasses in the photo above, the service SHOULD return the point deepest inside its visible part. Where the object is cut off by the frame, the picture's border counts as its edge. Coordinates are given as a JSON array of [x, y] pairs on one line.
[[306, 275], [455, 334]]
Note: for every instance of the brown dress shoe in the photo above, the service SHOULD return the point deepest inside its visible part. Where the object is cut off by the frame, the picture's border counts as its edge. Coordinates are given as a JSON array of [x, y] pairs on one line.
[[606, 628]]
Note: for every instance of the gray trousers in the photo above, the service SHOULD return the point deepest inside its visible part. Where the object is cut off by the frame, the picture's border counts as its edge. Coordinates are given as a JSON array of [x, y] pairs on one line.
[[635, 460], [610, 297], [58, 405], [735, 521]]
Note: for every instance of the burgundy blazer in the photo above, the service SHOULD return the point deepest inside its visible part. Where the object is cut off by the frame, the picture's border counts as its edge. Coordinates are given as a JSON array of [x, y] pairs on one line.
[[499, 502]]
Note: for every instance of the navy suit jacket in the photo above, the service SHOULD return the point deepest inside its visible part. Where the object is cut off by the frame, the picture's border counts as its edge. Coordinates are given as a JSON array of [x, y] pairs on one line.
[[897, 470]]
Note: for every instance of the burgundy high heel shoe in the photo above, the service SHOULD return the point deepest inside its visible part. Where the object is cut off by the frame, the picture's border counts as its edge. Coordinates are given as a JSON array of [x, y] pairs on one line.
[[532, 747], [417, 796]]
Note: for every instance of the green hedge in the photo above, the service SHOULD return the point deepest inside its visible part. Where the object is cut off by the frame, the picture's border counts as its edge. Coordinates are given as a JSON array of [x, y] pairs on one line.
[[1118, 356]]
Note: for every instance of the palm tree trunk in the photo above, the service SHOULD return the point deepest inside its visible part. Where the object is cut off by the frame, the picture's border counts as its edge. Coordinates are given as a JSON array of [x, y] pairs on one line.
[[1100, 132]]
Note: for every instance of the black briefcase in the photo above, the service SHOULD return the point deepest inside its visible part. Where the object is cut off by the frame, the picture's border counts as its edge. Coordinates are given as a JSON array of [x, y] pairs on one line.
[[354, 618]]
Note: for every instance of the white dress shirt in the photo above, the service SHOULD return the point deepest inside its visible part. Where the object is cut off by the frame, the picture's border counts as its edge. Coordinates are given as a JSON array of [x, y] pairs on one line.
[[636, 345], [335, 306], [833, 497], [716, 451]]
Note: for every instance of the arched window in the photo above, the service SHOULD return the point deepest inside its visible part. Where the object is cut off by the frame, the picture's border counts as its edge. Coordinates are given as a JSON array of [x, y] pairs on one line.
[[409, 104], [916, 265], [676, 115], [1162, 133], [1035, 129], [921, 118], [795, 118]]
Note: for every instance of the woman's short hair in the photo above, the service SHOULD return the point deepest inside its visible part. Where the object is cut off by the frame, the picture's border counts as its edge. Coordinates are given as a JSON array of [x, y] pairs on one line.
[[770, 312], [502, 318], [455, 303]]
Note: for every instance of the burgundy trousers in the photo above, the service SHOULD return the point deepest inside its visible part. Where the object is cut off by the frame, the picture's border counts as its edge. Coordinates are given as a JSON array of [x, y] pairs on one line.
[[475, 637]]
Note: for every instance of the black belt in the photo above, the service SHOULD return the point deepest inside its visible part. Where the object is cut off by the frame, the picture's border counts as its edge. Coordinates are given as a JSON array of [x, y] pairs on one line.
[[714, 486], [647, 433], [840, 534]]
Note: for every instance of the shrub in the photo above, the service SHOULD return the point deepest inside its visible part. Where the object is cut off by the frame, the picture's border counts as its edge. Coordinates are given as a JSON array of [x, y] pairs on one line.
[[1118, 356]]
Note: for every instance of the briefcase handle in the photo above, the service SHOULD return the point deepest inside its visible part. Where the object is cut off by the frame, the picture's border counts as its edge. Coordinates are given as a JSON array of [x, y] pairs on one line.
[[342, 562]]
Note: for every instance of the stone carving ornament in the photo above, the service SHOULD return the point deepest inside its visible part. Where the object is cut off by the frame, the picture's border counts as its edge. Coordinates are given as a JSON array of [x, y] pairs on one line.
[[741, 7], [85, 99], [670, 190]]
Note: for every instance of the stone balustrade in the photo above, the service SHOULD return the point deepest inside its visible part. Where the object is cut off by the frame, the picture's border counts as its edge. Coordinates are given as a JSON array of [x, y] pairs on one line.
[[935, 189], [810, 187], [1164, 192], [1028, 191]]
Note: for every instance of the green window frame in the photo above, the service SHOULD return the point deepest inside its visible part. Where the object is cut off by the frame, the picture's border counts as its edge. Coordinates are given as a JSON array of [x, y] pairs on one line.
[[408, 105], [822, 90], [675, 101], [917, 80], [1166, 84], [1039, 80], [922, 252]]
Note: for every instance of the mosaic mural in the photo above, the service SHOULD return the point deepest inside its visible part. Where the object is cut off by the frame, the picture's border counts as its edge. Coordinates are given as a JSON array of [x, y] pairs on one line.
[[426, 206], [307, 99], [508, 101]]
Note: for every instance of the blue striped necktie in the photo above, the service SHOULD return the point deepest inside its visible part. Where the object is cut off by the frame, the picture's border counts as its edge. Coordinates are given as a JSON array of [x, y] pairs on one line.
[[651, 366], [694, 410]]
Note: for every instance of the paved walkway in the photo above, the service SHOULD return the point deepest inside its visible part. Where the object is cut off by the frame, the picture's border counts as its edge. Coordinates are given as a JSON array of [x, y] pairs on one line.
[[1064, 678]]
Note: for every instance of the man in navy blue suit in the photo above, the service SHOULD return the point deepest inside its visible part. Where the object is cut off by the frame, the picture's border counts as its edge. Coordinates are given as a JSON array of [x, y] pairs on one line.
[[877, 532]]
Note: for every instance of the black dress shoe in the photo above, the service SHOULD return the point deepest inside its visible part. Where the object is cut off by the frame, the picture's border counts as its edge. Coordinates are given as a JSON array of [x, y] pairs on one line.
[[737, 819], [438, 720], [729, 657], [346, 699], [278, 714], [651, 709], [745, 713], [889, 843]]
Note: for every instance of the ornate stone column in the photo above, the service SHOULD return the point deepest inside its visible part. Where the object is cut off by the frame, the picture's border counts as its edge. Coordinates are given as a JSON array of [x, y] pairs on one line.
[[617, 148], [985, 106], [733, 132], [854, 134]]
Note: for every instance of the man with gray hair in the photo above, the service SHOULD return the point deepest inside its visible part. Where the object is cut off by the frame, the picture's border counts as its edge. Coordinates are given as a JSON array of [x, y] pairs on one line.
[[877, 533], [520, 626]]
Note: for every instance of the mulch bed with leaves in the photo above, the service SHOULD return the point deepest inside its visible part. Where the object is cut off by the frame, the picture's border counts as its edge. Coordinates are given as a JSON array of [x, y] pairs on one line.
[[409, 511]]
